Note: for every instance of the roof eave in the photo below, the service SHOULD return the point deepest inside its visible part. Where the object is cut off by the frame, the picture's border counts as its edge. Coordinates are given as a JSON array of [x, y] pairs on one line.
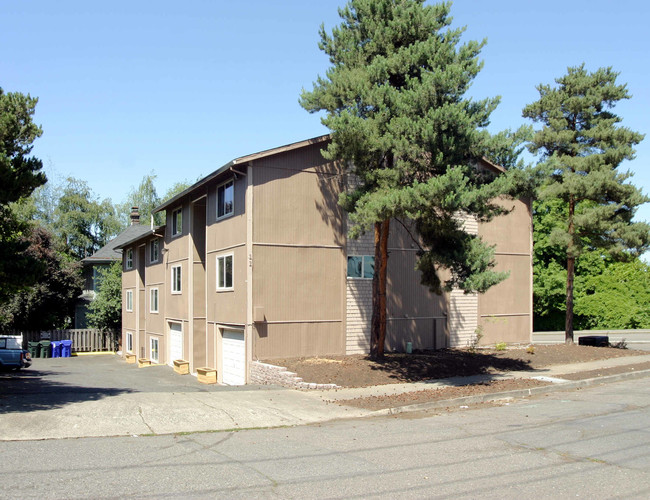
[[239, 161]]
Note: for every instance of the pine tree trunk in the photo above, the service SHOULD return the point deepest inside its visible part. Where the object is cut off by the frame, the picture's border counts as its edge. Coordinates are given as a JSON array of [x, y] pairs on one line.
[[374, 325], [570, 273], [379, 280], [383, 267]]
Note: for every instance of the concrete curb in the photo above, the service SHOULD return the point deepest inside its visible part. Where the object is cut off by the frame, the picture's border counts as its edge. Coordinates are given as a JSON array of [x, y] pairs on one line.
[[499, 396]]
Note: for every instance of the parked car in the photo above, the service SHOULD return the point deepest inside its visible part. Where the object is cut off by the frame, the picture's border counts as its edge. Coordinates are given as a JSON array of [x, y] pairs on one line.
[[12, 354]]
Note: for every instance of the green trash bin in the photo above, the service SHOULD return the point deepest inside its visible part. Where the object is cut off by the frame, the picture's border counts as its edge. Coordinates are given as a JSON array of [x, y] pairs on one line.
[[45, 348], [34, 349]]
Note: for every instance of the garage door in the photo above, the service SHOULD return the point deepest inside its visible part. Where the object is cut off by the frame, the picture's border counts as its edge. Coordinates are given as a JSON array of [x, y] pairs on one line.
[[233, 358], [175, 342]]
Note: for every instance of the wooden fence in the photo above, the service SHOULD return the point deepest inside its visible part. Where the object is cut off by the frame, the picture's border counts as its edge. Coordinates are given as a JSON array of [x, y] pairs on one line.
[[83, 340]]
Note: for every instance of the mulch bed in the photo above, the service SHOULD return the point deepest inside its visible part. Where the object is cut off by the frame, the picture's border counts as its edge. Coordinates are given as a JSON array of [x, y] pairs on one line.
[[426, 396], [361, 371]]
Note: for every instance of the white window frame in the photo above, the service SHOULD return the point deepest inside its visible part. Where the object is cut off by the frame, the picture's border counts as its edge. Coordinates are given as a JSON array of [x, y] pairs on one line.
[[153, 292], [154, 244], [363, 267], [177, 231], [129, 342], [153, 340], [180, 280], [223, 258], [232, 210], [129, 301], [129, 259]]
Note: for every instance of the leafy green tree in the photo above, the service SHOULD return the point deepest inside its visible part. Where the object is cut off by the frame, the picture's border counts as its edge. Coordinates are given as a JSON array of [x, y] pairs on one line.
[[145, 198], [20, 174], [617, 298], [394, 101], [105, 312], [50, 302], [582, 147], [82, 221]]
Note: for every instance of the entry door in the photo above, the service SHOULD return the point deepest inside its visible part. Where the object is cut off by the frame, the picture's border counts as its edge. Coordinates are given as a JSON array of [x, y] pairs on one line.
[[175, 342], [233, 361]]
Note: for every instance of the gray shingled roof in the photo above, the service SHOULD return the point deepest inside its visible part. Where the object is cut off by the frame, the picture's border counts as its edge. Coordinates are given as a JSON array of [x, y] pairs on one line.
[[109, 252]]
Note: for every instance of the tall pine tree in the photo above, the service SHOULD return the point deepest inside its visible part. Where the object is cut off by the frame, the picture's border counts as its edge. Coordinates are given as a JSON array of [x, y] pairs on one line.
[[582, 145], [395, 104]]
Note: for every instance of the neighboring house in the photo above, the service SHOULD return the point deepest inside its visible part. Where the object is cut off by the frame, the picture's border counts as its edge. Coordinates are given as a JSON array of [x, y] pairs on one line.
[[254, 263], [102, 259]]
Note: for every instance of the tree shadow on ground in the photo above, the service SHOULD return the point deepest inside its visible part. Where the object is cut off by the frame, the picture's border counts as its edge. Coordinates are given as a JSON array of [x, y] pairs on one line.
[[445, 363], [30, 390]]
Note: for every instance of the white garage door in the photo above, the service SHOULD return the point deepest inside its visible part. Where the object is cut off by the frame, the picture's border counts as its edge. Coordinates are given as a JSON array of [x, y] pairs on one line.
[[233, 358], [175, 342]]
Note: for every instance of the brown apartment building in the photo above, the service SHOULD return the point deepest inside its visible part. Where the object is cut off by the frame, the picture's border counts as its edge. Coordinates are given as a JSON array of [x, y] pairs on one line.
[[254, 263]]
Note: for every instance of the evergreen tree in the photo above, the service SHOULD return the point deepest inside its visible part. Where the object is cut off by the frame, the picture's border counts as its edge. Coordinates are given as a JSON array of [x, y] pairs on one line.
[[582, 146], [395, 104], [20, 174]]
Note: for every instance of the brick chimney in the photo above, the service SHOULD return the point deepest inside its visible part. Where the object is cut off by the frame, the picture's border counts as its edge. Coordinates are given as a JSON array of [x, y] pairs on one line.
[[135, 216]]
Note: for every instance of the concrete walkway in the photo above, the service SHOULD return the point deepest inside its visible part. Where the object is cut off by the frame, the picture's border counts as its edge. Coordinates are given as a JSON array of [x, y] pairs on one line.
[[103, 396]]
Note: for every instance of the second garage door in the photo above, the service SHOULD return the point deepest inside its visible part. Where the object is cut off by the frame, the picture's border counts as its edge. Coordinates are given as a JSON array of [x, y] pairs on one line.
[[233, 357]]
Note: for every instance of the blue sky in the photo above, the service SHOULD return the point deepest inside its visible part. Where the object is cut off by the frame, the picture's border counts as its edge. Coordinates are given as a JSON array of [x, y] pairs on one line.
[[180, 88]]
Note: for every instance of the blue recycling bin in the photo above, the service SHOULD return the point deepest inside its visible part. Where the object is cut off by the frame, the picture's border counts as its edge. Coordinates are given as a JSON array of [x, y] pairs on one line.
[[56, 348], [66, 348]]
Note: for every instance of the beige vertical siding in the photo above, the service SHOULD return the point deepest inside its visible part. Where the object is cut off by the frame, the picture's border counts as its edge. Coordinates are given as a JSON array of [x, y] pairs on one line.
[[298, 260], [506, 309]]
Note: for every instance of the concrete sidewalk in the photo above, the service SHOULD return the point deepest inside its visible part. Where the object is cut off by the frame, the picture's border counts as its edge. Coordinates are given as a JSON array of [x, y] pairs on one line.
[[54, 406]]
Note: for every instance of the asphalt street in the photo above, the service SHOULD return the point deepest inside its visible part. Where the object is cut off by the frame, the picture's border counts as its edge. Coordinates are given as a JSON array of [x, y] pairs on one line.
[[588, 443]]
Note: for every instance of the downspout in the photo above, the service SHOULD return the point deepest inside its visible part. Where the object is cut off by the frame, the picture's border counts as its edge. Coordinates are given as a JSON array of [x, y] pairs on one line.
[[248, 334]]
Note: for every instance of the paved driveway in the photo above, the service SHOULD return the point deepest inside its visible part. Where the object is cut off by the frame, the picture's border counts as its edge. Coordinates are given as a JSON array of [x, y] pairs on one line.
[[104, 396]]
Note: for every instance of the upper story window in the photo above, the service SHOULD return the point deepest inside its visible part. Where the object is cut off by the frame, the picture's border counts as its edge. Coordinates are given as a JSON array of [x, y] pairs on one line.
[[361, 266], [224, 272], [153, 300], [154, 250], [176, 279], [129, 300], [129, 258], [177, 221], [225, 199]]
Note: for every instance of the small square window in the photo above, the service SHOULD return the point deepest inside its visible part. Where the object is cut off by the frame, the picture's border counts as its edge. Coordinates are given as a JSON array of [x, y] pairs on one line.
[[176, 279], [129, 300], [224, 272], [153, 300], [225, 199], [177, 221], [129, 258], [154, 250], [361, 266]]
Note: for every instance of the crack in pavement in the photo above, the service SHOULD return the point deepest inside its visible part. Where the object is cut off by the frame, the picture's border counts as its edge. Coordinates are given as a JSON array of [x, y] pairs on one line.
[[144, 421]]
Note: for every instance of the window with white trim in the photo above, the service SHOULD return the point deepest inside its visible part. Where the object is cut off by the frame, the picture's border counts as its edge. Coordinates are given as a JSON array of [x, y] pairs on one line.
[[129, 300], [224, 272], [153, 300], [361, 266], [154, 250], [153, 349], [176, 279], [129, 258], [129, 342], [177, 221], [225, 199]]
